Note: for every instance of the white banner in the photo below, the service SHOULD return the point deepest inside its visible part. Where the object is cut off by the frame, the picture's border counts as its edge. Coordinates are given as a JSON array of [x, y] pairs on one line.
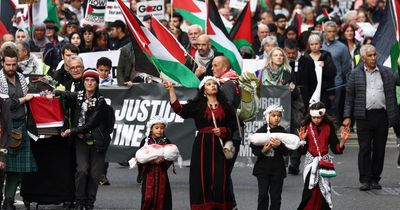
[[155, 8], [113, 12], [95, 11], [90, 59]]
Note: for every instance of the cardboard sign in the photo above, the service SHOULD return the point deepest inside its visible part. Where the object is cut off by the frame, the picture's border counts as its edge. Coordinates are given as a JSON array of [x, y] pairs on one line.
[[155, 8], [95, 11], [113, 12]]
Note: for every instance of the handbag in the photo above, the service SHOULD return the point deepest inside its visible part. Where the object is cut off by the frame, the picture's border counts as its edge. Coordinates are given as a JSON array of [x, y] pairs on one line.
[[227, 148], [326, 167], [16, 138]]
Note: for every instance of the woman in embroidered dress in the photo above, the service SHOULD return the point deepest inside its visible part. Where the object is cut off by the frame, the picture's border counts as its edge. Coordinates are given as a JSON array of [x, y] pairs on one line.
[[156, 190], [318, 130], [208, 168]]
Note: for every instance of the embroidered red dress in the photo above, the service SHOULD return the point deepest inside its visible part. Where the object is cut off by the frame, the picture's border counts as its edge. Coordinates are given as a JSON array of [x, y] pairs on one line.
[[208, 166], [326, 138], [156, 191]]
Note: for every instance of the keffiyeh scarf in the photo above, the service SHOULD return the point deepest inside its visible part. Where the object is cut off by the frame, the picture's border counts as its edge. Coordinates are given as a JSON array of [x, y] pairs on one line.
[[311, 165], [204, 61], [4, 84]]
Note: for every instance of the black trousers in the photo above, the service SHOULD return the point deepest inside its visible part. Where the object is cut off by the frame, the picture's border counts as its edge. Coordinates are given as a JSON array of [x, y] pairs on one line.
[[372, 136], [89, 167], [269, 186]]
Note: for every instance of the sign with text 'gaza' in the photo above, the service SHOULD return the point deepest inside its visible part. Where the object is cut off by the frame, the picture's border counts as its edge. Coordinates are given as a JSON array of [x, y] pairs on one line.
[[155, 8]]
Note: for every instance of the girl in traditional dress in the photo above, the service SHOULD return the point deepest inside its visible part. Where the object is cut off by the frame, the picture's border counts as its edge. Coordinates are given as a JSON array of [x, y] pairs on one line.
[[318, 130], [270, 167], [215, 121], [156, 191]]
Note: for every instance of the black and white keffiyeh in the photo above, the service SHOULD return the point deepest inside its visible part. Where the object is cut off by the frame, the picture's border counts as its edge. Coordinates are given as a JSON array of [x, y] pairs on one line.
[[4, 84]]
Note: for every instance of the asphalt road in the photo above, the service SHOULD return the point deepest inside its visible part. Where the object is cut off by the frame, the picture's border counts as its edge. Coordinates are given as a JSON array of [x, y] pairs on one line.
[[124, 192]]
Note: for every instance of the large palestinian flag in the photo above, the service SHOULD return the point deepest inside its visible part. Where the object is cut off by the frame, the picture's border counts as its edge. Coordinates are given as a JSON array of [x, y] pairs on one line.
[[241, 33], [386, 38], [157, 53], [168, 40], [220, 38]]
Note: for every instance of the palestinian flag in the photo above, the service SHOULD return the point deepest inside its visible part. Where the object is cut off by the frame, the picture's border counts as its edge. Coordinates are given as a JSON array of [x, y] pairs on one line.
[[266, 4], [45, 10], [296, 23], [157, 53], [168, 40], [95, 12], [195, 12], [240, 31], [220, 38], [323, 17], [386, 38]]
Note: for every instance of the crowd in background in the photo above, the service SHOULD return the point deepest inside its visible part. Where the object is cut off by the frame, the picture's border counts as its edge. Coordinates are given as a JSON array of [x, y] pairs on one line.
[[290, 55]]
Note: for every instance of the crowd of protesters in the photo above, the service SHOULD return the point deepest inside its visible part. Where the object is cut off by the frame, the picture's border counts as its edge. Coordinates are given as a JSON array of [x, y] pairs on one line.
[[341, 47]]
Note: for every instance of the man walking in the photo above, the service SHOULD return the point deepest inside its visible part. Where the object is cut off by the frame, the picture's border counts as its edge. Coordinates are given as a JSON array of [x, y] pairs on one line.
[[370, 99], [19, 157]]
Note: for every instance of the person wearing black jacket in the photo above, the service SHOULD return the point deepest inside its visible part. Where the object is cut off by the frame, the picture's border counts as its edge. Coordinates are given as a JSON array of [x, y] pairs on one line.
[[324, 59], [270, 167], [91, 140], [303, 69]]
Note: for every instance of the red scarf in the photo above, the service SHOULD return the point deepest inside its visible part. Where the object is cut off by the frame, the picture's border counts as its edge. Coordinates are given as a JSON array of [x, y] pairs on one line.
[[228, 75]]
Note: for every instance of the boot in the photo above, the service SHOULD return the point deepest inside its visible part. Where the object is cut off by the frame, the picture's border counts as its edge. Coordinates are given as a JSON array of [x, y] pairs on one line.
[[8, 204]]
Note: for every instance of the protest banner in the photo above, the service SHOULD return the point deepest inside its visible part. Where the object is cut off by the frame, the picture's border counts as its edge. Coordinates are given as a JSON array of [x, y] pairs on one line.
[[113, 12], [95, 11], [154, 8], [134, 107]]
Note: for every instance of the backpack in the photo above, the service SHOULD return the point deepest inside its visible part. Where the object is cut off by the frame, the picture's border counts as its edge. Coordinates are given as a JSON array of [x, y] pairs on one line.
[[249, 86]]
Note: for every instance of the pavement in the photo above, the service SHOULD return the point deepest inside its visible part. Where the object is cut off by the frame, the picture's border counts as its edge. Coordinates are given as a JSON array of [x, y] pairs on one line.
[[124, 192]]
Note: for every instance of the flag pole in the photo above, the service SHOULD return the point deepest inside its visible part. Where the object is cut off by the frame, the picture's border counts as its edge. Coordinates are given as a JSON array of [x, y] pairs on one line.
[[172, 10]]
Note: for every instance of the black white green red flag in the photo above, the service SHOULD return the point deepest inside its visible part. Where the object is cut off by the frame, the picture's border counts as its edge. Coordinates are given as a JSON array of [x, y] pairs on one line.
[[241, 33], [220, 38], [157, 53]]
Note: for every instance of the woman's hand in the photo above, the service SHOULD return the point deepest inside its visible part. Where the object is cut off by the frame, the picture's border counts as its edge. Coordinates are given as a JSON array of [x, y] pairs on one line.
[[217, 131], [66, 133], [302, 132], [275, 142], [168, 85]]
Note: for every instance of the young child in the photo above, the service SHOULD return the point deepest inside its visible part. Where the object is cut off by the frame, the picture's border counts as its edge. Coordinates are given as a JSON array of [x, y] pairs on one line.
[[103, 66], [270, 167], [318, 130], [156, 191]]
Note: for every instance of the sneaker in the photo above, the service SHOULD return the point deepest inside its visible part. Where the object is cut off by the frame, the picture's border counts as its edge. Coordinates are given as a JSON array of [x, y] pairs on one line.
[[104, 180]]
